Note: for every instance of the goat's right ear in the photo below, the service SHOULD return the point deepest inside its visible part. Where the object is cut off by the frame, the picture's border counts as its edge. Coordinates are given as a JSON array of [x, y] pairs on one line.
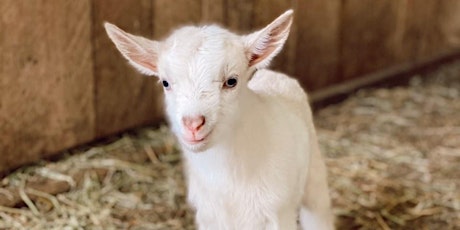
[[142, 53]]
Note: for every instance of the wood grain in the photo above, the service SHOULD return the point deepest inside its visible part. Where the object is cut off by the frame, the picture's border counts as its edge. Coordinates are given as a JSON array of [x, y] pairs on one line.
[[46, 79], [238, 15], [367, 35], [449, 22], [170, 15], [317, 48], [429, 28], [212, 11], [124, 98]]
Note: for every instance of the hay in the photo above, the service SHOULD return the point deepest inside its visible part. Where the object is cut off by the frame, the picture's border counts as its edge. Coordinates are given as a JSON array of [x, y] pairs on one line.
[[393, 157], [113, 186], [394, 154]]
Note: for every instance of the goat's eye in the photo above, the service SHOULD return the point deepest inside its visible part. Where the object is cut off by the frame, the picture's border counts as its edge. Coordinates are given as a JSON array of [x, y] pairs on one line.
[[165, 84], [231, 82]]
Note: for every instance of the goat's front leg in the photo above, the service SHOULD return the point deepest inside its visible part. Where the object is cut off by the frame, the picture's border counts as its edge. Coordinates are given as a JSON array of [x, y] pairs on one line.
[[284, 220], [204, 221], [212, 219]]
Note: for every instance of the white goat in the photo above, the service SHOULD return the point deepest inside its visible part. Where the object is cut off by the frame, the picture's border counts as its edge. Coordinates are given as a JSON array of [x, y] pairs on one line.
[[248, 140]]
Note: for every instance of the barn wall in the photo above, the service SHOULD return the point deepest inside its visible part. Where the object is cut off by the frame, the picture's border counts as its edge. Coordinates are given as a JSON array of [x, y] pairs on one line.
[[46, 79], [123, 98], [63, 83]]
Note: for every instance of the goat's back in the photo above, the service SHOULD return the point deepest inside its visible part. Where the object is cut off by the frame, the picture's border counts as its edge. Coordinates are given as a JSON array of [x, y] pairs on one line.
[[271, 84]]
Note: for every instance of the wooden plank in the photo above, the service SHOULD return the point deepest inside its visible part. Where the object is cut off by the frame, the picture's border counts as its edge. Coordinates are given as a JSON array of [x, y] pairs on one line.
[[212, 11], [421, 34], [449, 22], [124, 98], [46, 79], [317, 48], [432, 27], [238, 15], [170, 15], [368, 32], [395, 75]]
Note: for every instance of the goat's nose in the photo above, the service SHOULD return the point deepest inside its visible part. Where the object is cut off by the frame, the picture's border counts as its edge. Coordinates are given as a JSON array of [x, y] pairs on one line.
[[194, 123]]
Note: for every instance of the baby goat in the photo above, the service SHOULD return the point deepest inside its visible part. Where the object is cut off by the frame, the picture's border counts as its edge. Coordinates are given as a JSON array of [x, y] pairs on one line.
[[247, 135]]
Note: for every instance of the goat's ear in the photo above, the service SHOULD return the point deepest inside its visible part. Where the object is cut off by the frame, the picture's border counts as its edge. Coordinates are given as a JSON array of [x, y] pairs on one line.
[[263, 45], [142, 53]]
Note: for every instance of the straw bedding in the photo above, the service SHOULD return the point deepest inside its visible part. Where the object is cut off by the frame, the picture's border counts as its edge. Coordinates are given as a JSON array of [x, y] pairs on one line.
[[393, 156]]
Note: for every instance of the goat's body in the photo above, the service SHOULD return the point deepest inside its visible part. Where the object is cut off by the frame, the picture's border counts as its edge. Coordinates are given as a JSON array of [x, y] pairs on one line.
[[256, 177], [250, 145]]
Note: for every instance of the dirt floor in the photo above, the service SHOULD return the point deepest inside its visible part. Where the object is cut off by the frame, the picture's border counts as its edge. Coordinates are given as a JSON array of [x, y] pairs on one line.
[[393, 157]]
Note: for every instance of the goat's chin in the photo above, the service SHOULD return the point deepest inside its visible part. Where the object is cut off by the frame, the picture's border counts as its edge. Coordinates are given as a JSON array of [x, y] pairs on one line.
[[195, 147]]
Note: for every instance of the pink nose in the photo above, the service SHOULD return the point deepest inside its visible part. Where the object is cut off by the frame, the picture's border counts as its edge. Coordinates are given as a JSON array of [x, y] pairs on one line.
[[193, 124]]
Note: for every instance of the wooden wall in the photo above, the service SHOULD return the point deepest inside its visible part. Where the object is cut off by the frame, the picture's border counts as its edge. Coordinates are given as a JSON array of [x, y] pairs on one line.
[[62, 83], [46, 78]]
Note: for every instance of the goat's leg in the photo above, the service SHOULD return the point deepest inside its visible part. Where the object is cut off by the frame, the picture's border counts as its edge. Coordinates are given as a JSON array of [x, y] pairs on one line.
[[316, 212]]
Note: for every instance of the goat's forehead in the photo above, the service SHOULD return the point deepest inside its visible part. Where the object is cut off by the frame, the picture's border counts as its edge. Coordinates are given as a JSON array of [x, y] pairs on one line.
[[199, 50]]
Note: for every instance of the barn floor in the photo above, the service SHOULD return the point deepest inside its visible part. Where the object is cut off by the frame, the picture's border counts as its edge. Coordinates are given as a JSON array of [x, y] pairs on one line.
[[393, 157]]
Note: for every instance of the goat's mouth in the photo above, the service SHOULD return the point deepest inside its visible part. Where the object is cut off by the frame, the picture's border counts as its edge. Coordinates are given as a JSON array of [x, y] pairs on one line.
[[196, 139]]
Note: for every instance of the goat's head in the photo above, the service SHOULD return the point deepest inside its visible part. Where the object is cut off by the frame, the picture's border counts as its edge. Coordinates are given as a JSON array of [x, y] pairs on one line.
[[204, 71]]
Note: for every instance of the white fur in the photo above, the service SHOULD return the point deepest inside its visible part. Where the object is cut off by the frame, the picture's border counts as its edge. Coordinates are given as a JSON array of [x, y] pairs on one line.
[[259, 162]]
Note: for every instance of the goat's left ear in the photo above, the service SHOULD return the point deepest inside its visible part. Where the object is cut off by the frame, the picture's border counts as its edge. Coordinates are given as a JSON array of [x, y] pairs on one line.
[[263, 45]]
